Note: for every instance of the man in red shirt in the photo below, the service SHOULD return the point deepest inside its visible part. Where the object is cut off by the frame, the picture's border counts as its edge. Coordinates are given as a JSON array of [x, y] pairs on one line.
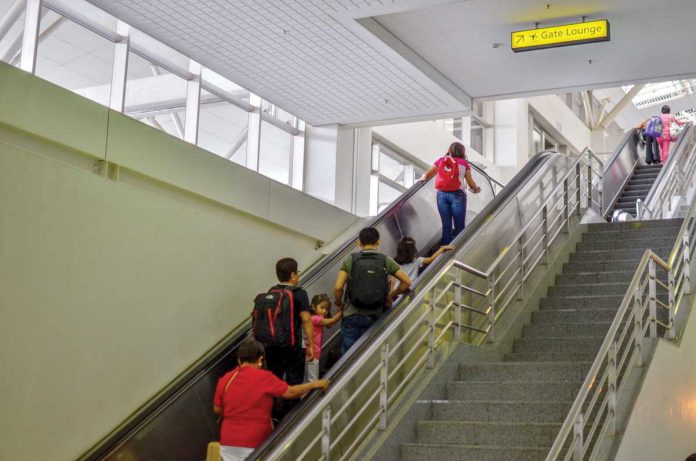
[[244, 398]]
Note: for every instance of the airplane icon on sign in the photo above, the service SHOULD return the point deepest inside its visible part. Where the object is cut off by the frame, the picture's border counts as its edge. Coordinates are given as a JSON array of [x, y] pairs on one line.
[[533, 36]]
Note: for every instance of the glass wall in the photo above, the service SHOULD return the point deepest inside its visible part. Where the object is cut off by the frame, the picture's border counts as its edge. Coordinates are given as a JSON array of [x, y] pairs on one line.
[[90, 52], [393, 173]]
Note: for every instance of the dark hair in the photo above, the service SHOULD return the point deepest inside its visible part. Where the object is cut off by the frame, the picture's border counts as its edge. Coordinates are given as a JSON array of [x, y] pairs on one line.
[[406, 251], [666, 109], [250, 351], [284, 269], [369, 236], [457, 150], [691, 457], [318, 299]]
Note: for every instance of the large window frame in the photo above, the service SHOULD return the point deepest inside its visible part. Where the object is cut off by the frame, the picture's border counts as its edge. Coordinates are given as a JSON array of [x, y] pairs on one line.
[[24, 24]]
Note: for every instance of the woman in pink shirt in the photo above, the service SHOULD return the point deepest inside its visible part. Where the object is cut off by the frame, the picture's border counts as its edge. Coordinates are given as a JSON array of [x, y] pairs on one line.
[[666, 138]]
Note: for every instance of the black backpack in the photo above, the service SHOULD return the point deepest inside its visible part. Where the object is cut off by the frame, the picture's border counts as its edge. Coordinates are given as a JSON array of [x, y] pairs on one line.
[[273, 317], [368, 285]]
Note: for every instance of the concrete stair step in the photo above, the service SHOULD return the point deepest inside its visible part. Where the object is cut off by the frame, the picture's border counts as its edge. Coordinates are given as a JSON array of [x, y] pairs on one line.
[[500, 411], [487, 434], [670, 231], [579, 302], [569, 315], [633, 225], [601, 266], [610, 255], [537, 389], [582, 345], [587, 278], [659, 241], [523, 372], [595, 289], [420, 452], [566, 330], [550, 357]]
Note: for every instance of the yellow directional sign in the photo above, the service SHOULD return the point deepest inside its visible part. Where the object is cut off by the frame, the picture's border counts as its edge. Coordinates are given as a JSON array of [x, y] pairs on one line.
[[569, 34]]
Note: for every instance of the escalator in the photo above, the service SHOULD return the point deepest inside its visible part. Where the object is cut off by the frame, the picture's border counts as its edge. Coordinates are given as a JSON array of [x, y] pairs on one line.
[[178, 422]]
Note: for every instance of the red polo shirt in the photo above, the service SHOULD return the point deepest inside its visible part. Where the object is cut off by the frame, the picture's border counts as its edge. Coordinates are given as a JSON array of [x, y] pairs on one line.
[[246, 406]]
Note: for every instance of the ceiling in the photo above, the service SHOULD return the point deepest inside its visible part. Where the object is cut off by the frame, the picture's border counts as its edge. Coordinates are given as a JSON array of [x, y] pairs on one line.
[[323, 61]]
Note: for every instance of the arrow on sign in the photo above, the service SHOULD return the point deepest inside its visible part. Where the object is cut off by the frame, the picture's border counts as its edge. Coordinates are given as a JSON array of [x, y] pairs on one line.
[[520, 39]]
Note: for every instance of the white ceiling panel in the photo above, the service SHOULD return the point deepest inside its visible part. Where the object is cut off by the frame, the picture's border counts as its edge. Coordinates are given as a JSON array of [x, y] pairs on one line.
[[303, 56], [367, 61]]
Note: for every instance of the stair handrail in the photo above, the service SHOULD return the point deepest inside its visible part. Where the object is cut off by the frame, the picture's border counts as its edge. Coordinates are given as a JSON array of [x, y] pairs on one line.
[[675, 179], [590, 419], [430, 317]]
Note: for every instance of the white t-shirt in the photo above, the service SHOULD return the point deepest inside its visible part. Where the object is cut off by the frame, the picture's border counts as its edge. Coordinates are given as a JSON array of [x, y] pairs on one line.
[[411, 269]]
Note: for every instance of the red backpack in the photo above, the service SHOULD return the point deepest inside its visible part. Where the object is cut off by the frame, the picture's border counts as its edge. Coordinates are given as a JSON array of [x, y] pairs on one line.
[[448, 175]]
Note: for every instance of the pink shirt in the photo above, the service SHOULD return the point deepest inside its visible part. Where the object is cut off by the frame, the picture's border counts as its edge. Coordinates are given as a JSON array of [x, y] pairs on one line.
[[463, 167], [667, 120], [318, 335]]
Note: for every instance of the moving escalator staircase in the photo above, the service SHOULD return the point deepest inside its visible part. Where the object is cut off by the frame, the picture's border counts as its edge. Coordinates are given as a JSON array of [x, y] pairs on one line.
[[637, 187]]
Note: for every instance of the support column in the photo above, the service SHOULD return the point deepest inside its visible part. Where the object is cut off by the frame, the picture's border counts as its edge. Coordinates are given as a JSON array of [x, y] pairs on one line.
[[120, 71], [193, 103], [30, 38], [254, 137]]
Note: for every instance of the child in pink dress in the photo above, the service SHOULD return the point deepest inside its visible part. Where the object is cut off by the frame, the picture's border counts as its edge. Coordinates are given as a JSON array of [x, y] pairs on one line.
[[320, 309], [666, 138]]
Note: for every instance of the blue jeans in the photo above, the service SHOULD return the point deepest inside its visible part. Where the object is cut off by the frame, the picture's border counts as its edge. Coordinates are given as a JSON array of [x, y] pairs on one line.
[[452, 208], [352, 328]]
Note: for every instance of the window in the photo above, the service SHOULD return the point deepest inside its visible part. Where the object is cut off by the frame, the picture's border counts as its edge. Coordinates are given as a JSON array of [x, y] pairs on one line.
[[393, 174], [155, 96], [75, 58], [275, 153]]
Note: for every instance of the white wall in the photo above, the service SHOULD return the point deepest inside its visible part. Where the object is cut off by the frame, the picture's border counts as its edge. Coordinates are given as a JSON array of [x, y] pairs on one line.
[[111, 285], [662, 425], [561, 121], [428, 141]]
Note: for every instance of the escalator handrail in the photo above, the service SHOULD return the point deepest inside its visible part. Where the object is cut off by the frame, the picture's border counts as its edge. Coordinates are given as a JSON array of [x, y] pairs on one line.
[[190, 376], [352, 358]]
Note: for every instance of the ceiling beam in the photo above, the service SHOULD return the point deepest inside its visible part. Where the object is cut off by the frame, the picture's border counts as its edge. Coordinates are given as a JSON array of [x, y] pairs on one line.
[[621, 105]]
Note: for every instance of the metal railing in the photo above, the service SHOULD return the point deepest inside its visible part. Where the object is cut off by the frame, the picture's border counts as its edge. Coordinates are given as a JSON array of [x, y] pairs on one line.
[[650, 305], [679, 179], [460, 303]]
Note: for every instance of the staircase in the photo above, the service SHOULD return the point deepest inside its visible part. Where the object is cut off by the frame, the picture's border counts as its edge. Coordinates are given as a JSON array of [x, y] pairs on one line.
[[636, 188], [512, 409]]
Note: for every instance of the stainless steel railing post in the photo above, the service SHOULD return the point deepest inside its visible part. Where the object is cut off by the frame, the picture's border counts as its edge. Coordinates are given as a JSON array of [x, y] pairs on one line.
[[638, 326], [611, 391], [458, 306], [326, 434], [491, 310], [686, 282], [566, 209], [383, 383], [431, 334], [672, 330], [652, 291], [578, 427], [589, 180], [545, 234], [578, 192], [520, 266]]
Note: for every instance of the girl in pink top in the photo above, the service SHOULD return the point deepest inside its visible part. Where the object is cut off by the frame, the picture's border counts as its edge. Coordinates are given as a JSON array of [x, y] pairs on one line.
[[320, 309], [666, 138]]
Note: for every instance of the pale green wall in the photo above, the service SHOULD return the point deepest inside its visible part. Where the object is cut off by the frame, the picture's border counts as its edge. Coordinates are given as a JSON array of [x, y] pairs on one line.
[[109, 289]]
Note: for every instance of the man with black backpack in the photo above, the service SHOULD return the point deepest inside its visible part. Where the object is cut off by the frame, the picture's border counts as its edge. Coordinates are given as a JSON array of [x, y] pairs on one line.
[[366, 275], [278, 317]]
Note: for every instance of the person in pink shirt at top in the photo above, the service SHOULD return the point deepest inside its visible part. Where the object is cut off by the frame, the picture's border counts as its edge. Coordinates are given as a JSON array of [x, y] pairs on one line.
[[321, 305], [666, 138]]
